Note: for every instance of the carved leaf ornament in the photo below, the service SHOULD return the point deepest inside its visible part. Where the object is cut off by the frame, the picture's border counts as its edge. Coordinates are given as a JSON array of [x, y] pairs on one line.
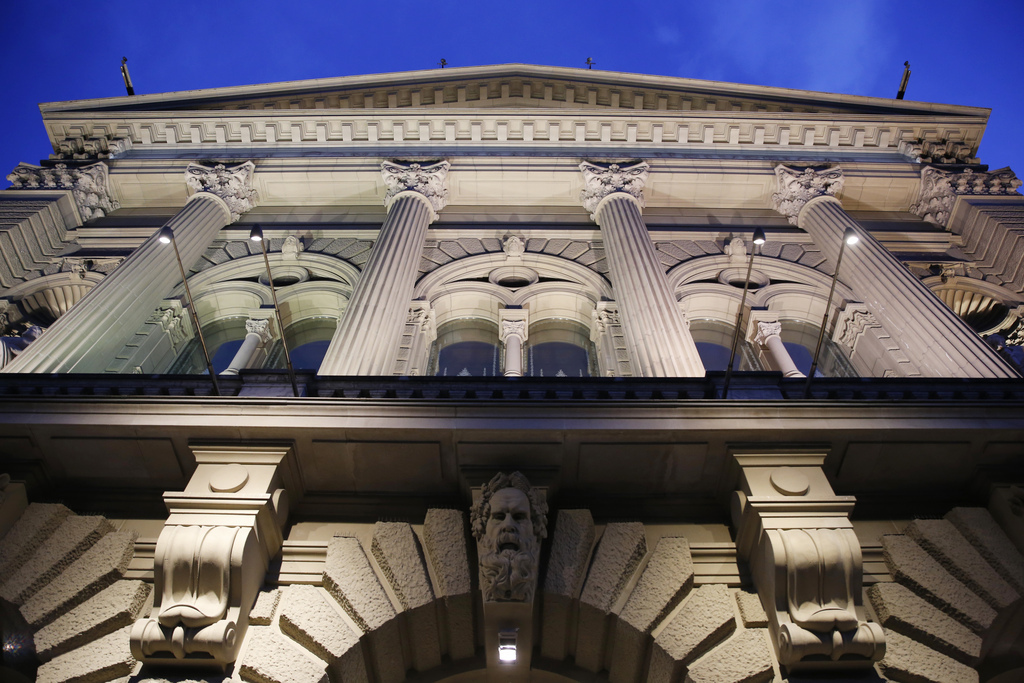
[[603, 180]]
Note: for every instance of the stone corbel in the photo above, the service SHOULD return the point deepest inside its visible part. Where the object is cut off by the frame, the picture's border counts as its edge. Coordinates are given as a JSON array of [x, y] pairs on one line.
[[212, 555], [603, 180], [88, 185], [233, 184], [805, 560], [428, 181], [796, 187]]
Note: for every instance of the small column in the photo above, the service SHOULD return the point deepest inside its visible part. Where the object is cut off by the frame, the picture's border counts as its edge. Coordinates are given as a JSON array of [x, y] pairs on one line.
[[936, 340], [660, 344], [86, 338], [513, 335], [257, 336], [773, 349], [369, 334]]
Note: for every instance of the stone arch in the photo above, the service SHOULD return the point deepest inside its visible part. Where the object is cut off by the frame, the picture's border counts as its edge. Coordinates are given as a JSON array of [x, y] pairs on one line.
[[47, 298]]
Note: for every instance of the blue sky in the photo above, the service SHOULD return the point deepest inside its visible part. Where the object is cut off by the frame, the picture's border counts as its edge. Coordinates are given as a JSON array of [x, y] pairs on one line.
[[72, 50]]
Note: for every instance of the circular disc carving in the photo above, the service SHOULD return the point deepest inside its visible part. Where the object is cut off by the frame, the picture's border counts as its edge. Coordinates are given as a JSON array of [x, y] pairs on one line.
[[229, 478], [789, 482]]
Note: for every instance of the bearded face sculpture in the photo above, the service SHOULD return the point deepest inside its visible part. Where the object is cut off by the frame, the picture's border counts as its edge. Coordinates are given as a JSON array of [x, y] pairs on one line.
[[509, 521]]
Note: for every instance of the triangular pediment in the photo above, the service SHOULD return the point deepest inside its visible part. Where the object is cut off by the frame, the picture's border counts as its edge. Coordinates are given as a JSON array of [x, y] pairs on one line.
[[510, 86]]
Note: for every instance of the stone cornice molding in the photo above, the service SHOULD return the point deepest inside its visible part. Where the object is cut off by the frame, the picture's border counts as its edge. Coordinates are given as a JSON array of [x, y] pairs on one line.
[[603, 180], [233, 184], [939, 190], [98, 147], [796, 187], [428, 180], [88, 185]]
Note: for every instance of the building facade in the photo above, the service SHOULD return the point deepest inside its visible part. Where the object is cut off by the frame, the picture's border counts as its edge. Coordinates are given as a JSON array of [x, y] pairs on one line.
[[511, 373]]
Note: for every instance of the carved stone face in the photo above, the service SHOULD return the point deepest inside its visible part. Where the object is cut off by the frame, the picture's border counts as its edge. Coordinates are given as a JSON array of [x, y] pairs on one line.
[[508, 547], [509, 523]]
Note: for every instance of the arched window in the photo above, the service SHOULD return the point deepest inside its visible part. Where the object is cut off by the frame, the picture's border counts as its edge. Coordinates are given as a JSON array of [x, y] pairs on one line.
[[223, 338], [308, 340], [800, 339], [714, 344], [467, 347], [559, 348]]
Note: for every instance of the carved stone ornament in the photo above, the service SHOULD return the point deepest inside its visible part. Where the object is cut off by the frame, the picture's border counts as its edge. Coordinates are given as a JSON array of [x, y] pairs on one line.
[[736, 250], [233, 184], [939, 190], [88, 185], [12, 346], [513, 327], [291, 248], [601, 180], [429, 180], [174, 322], [513, 246], [925, 152], [767, 329], [261, 327], [852, 324], [100, 147], [796, 187], [508, 522]]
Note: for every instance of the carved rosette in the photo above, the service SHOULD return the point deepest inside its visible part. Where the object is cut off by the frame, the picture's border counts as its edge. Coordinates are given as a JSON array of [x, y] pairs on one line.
[[796, 187], [88, 185], [233, 184], [428, 180], [601, 180], [939, 190]]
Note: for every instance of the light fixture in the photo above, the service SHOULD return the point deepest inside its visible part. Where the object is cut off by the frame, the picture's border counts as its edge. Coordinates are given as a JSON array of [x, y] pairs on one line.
[[850, 237], [507, 645], [166, 236], [256, 235], [758, 240]]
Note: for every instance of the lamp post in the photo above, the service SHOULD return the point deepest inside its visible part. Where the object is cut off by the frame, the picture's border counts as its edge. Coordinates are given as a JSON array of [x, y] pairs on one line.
[[849, 237], [758, 240], [256, 235], [166, 236]]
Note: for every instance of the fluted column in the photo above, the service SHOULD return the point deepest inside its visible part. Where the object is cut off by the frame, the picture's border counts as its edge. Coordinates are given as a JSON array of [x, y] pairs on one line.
[[257, 336], [936, 340], [86, 338], [369, 334], [513, 335], [769, 339], [660, 344]]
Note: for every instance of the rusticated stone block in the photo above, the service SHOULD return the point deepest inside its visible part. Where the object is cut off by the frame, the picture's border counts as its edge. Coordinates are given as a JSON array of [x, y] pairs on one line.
[[745, 658], [66, 544], [351, 581], [314, 624], [910, 565], [751, 610], [262, 613], [705, 619], [269, 659], [618, 553], [666, 580], [946, 544], [98, 567], [981, 529], [570, 549], [398, 554], [908, 661], [444, 536], [34, 526], [898, 609], [96, 662], [111, 609]]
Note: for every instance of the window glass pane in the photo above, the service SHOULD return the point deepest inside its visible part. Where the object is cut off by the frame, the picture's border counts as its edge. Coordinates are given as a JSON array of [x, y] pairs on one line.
[[223, 337], [467, 347], [714, 344], [559, 348], [307, 344], [800, 339]]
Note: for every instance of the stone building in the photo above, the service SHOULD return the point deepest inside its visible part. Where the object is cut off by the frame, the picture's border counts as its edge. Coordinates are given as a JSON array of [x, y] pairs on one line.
[[511, 373]]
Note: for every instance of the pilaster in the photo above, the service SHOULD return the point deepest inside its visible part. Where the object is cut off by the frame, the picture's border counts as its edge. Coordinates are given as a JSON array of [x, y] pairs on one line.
[[420, 332], [610, 340]]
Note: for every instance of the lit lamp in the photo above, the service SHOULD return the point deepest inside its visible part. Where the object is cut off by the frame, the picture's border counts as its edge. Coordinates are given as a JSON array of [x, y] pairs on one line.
[[849, 237], [507, 646], [166, 236], [758, 240], [256, 235]]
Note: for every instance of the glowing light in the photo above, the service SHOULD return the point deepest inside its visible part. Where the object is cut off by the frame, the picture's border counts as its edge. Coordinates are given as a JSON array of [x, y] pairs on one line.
[[507, 646]]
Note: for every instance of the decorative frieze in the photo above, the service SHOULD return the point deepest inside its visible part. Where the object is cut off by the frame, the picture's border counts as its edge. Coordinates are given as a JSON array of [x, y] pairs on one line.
[[88, 185], [428, 180], [233, 184], [939, 190], [602, 180], [796, 187]]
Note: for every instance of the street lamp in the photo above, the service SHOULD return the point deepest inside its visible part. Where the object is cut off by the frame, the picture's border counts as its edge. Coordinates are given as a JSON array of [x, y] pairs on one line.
[[256, 235], [758, 240], [850, 237], [166, 236]]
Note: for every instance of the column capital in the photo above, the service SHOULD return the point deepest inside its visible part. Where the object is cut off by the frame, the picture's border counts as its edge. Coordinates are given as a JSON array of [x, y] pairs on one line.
[[233, 184], [427, 179], [939, 190], [767, 329], [796, 187], [260, 327], [513, 323], [601, 180], [88, 185]]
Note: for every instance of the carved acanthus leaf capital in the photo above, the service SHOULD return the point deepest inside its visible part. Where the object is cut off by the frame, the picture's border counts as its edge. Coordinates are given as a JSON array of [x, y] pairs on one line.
[[767, 329], [233, 184], [261, 327], [939, 190], [796, 187], [513, 327], [601, 180], [88, 185], [427, 179]]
